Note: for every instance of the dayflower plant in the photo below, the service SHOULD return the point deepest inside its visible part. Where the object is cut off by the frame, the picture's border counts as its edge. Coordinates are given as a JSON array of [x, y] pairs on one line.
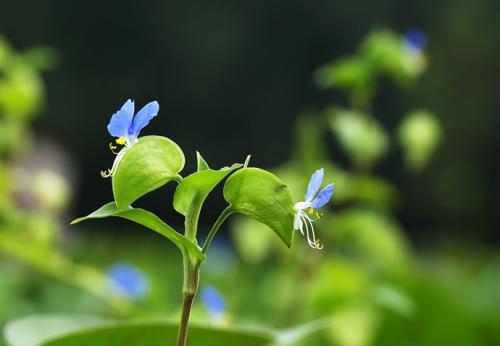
[[312, 200], [144, 164]]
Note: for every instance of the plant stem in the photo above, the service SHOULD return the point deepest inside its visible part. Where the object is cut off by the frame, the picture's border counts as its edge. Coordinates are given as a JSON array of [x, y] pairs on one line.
[[189, 289], [222, 217]]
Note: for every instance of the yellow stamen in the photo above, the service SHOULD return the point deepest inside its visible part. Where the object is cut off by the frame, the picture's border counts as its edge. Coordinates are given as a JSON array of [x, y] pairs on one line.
[[318, 215], [121, 140], [318, 244], [310, 210]]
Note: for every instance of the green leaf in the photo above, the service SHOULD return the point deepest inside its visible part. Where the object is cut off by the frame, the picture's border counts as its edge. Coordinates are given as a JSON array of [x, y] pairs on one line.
[[149, 220], [419, 134], [262, 196], [146, 166], [361, 136], [202, 164], [150, 333]]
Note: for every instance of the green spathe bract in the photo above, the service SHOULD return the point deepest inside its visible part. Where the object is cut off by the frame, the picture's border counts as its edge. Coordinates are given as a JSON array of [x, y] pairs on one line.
[[264, 197], [146, 166], [194, 189]]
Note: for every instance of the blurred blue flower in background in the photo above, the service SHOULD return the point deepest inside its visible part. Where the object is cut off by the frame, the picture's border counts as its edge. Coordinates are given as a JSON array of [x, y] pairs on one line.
[[127, 281], [213, 302], [414, 40]]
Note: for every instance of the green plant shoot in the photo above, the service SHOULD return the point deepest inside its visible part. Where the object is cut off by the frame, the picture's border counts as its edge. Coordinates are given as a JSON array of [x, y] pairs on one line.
[[145, 164]]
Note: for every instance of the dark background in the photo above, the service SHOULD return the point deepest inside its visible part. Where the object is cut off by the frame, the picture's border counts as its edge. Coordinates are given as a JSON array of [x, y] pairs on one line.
[[231, 77]]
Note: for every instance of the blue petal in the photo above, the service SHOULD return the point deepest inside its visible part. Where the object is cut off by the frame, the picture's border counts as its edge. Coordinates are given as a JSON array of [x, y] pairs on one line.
[[120, 121], [314, 184], [323, 197], [213, 300], [143, 117], [415, 39], [128, 281]]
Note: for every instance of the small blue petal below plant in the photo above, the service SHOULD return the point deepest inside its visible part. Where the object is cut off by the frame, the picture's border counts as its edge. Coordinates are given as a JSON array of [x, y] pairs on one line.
[[127, 281], [415, 40], [213, 301], [314, 184], [323, 197]]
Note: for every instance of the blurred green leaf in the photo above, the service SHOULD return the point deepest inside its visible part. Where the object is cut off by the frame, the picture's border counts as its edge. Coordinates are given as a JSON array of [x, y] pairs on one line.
[[40, 58], [354, 325], [361, 136], [145, 333], [146, 219], [252, 239], [393, 298], [353, 75], [341, 281], [37, 329], [384, 50], [419, 134], [5, 52], [262, 196], [146, 166], [367, 189], [21, 93], [376, 237]]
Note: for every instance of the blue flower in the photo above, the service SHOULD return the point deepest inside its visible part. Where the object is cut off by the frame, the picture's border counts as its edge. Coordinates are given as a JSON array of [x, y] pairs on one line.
[[127, 127], [312, 200], [127, 281], [414, 41], [213, 301]]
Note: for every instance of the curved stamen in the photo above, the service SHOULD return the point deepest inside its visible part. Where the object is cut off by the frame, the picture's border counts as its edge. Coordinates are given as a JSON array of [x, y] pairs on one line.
[[110, 172], [106, 173], [311, 236], [113, 148]]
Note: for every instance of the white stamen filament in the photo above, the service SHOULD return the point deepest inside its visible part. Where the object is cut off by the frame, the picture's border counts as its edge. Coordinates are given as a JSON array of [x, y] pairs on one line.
[[306, 222], [110, 172]]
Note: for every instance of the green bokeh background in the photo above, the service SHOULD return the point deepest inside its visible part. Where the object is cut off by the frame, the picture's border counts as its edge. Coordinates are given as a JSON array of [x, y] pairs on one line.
[[238, 78]]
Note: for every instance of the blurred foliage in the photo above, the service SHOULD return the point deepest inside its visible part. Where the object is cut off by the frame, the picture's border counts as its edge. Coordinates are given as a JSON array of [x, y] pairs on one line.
[[366, 287], [367, 280], [33, 194]]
